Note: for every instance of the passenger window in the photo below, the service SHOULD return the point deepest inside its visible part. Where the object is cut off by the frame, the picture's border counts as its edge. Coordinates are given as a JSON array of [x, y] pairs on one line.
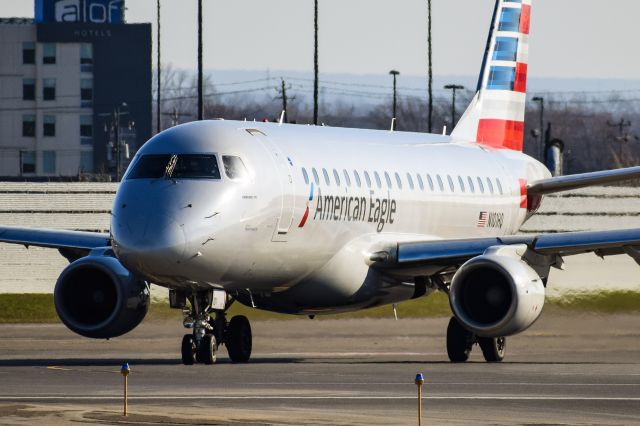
[[451, 185], [315, 176], [461, 182], [480, 185], [378, 181], [326, 177], [430, 183], [336, 176], [490, 185], [234, 168], [440, 184], [347, 179], [398, 181], [367, 178], [410, 180], [471, 187], [357, 176], [499, 186], [420, 182], [388, 179], [305, 176]]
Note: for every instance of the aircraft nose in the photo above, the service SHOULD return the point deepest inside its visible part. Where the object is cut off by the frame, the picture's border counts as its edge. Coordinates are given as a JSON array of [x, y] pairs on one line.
[[149, 243]]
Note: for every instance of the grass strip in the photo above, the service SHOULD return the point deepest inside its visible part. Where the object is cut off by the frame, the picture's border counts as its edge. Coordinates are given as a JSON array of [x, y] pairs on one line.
[[39, 308]]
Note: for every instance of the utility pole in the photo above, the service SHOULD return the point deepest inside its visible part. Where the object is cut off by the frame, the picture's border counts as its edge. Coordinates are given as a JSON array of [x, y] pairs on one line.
[[315, 65], [540, 100], [430, 54], [159, 72], [175, 116], [200, 95], [395, 74], [453, 88], [622, 136], [285, 99], [114, 129]]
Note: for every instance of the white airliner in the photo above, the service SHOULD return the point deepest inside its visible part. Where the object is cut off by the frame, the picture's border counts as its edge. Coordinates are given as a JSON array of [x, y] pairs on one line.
[[315, 220]]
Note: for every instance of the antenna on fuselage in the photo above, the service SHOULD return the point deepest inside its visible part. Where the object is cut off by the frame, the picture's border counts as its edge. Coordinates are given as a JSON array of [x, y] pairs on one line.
[[444, 130], [281, 120], [393, 124]]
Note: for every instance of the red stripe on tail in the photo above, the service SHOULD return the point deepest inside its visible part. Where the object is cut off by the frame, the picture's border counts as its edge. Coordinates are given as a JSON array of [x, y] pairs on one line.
[[520, 84], [525, 19], [501, 133]]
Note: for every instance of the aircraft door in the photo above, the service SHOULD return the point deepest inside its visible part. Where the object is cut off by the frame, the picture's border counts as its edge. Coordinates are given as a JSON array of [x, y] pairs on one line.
[[285, 176]]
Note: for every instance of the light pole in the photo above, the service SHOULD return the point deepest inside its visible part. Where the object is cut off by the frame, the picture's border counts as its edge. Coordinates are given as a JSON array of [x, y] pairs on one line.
[[453, 88], [200, 97], [395, 74], [315, 65], [430, 85], [540, 100], [159, 73]]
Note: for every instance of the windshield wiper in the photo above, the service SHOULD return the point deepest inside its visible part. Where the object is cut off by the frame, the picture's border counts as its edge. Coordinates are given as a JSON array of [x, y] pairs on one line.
[[168, 171]]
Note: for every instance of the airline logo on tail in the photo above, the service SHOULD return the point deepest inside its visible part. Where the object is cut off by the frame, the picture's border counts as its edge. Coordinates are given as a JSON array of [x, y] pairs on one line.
[[496, 114]]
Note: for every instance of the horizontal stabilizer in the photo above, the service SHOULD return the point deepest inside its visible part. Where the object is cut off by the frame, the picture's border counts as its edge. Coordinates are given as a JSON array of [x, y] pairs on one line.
[[567, 183]]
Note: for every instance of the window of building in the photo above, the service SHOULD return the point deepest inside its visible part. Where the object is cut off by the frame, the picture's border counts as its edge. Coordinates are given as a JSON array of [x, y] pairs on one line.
[[86, 91], [367, 178], [398, 181], [28, 161], [336, 176], [316, 178], [490, 185], [28, 53], [305, 175], [48, 53], [378, 181], [86, 161], [357, 176], [388, 179], [28, 125], [471, 186], [28, 89], [480, 185], [49, 89], [440, 183], [347, 179], [410, 180], [420, 182], [86, 129], [49, 162], [49, 125], [86, 54], [326, 177], [461, 182]]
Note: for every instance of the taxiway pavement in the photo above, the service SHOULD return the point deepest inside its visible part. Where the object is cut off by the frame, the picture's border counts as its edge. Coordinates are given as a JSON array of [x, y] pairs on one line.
[[567, 369]]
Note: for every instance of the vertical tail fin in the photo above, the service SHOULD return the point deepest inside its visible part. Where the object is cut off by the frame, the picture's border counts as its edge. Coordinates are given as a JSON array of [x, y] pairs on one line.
[[495, 116]]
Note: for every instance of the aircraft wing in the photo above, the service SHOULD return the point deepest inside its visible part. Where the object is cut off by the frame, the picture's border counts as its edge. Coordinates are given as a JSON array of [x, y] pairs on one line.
[[428, 257], [569, 182], [71, 244]]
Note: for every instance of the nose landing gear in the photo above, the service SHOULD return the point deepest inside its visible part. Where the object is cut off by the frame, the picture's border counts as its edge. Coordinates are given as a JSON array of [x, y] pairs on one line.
[[210, 332]]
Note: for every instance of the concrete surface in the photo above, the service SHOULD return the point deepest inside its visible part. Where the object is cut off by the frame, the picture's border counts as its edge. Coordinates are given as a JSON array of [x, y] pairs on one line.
[[567, 369]]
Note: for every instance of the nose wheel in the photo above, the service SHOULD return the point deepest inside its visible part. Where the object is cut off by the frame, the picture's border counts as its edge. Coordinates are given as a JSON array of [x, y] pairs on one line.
[[209, 333]]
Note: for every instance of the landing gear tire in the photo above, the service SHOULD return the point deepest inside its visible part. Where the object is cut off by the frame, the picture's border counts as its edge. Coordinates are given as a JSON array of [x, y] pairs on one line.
[[493, 349], [207, 351], [459, 341], [188, 349], [239, 339]]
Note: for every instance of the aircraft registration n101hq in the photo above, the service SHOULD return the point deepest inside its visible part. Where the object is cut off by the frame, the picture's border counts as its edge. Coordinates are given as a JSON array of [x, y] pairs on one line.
[[317, 220]]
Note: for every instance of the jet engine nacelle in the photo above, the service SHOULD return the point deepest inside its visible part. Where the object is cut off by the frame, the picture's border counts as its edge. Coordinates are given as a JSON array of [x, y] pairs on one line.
[[497, 294], [97, 297]]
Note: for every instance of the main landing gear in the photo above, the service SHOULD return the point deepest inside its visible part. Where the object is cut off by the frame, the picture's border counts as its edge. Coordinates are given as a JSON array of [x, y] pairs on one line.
[[460, 341], [207, 318]]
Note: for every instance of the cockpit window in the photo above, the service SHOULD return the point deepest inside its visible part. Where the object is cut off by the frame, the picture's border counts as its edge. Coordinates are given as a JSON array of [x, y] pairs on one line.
[[234, 168], [181, 166]]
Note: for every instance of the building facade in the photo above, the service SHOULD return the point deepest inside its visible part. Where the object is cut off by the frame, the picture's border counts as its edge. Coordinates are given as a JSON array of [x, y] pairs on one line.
[[75, 90]]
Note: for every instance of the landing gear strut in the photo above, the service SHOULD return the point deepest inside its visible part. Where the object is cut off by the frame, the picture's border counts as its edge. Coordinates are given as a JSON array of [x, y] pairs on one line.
[[460, 342], [209, 332]]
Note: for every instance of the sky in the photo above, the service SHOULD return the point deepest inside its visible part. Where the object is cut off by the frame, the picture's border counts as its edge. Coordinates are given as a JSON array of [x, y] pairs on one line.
[[575, 39]]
